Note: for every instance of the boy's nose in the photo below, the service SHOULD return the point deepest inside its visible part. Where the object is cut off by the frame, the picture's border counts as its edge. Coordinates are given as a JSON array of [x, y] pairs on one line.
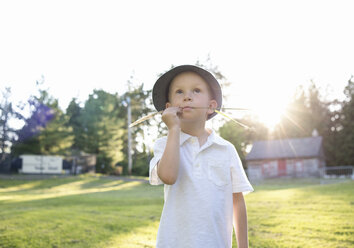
[[187, 97]]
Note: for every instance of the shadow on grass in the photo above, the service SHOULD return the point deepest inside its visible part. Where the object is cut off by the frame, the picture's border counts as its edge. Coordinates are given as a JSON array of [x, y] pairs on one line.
[[290, 183], [134, 193], [81, 220], [83, 182], [18, 186], [101, 182]]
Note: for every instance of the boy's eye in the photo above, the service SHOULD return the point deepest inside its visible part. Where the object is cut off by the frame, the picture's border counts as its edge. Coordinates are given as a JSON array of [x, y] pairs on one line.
[[179, 91], [197, 90]]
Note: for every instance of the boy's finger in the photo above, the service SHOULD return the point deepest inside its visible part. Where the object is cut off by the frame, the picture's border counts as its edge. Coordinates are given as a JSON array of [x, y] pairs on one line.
[[174, 109], [179, 111]]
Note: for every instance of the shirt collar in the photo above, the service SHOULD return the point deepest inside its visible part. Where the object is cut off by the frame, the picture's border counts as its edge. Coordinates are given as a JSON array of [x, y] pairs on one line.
[[212, 138], [184, 137]]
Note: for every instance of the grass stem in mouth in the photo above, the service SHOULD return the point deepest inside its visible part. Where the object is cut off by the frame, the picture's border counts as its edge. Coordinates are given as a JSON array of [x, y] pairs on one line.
[[243, 109], [147, 117]]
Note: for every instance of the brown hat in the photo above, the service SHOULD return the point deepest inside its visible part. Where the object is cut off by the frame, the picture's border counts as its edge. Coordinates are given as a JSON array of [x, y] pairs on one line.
[[162, 85]]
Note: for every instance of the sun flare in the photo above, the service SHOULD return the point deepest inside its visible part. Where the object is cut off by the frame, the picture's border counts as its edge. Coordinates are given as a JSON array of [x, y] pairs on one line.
[[270, 113]]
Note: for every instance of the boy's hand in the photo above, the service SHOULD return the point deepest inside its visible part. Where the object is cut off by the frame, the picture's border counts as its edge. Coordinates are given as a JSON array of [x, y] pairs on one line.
[[171, 117]]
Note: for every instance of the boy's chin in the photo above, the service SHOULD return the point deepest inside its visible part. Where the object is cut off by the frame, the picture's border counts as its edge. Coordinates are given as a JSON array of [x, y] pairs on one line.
[[188, 118]]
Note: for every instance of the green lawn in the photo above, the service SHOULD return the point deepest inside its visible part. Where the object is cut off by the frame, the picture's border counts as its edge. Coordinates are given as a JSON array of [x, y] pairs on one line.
[[88, 211]]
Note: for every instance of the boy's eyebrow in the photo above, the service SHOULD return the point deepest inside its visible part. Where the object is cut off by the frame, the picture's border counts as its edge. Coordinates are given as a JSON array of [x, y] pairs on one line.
[[197, 84]]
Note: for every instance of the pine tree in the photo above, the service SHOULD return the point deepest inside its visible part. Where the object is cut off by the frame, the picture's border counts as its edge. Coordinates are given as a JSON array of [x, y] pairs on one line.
[[347, 120], [7, 134], [319, 111], [74, 111], [295, 122], [103, 130], [331, 137]]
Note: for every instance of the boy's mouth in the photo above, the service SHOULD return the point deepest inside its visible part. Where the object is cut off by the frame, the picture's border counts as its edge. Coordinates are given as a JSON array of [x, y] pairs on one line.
[[187, 108]]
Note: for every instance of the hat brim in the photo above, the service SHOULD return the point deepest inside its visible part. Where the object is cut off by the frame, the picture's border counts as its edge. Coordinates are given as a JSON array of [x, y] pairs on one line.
[[161, 87]]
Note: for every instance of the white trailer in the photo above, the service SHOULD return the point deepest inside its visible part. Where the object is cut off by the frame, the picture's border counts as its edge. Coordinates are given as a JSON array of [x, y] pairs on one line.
[[41, 164]]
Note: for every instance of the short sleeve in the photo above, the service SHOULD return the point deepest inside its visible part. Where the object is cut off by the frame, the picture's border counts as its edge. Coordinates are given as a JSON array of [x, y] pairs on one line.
[[159, 148], [240, 182]]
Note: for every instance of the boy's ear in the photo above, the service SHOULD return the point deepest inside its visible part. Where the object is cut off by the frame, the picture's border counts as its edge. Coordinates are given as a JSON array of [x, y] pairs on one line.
[[212, 105], [168, 104]]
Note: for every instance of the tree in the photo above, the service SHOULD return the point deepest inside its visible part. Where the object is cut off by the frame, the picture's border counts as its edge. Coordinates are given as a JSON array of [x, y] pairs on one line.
[[74, 113], [45, 131], [236, 135], [7, 134], [319, 111], [325, 121], [331, 138], [295, 122], [141, 105], [103, 129], [242, 137], [346, 133], [100, 127]]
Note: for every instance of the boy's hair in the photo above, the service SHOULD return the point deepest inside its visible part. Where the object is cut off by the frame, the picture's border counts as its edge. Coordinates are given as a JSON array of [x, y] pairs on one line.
[[162, 85]]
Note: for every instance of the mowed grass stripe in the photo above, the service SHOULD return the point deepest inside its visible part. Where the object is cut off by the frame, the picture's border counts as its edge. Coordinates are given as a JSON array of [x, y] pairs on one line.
[[306, 215], [88, 211]]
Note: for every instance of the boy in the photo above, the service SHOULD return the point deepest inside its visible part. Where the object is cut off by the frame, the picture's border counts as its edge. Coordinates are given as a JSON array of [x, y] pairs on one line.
[[202, 173]]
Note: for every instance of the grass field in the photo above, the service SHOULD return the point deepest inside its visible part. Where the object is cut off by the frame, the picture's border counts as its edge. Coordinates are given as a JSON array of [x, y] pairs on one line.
[[89, 211]]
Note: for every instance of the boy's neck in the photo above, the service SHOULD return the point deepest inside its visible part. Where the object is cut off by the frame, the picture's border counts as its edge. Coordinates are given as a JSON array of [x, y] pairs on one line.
[[196, 129]]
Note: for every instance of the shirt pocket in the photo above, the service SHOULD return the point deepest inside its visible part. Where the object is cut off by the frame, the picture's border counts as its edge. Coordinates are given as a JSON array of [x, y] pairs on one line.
[[219, 172]]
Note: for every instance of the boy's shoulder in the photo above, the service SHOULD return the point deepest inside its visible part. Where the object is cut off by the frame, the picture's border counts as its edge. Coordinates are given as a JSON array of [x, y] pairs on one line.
[[227, 145], [221, 141], [161, 141]]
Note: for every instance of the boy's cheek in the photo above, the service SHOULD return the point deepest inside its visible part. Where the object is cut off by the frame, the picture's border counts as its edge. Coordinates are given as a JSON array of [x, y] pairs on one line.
[[174, 104]]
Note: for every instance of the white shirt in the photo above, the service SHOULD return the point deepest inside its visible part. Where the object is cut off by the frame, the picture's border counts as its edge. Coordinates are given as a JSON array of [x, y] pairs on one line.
[[198, 208]]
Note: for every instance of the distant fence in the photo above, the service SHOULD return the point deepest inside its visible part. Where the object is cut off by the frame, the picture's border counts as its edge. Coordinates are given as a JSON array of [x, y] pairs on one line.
[[338, 172]]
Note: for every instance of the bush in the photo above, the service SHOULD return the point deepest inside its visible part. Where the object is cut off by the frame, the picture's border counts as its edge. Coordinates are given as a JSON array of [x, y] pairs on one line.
[[141, 164], [104, 165]]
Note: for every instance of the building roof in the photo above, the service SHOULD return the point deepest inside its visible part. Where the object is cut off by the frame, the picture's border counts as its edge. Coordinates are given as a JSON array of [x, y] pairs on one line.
[[286, 148]]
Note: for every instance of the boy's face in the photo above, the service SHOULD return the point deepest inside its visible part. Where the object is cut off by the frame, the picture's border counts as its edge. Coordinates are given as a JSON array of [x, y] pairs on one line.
[[188, 90]]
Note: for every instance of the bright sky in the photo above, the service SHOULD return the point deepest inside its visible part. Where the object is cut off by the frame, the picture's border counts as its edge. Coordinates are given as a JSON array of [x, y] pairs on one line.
[[264, 48]]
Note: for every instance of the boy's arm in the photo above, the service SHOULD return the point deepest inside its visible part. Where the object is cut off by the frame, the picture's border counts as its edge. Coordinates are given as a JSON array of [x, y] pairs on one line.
[[167, 167], [240, 220]]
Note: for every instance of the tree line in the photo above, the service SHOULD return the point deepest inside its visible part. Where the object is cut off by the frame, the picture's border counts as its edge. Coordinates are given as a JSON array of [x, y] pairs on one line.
[[308, 111], [99, 126]]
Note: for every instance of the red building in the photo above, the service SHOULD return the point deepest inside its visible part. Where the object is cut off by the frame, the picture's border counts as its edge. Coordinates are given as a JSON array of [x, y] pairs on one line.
[[300, 157]]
